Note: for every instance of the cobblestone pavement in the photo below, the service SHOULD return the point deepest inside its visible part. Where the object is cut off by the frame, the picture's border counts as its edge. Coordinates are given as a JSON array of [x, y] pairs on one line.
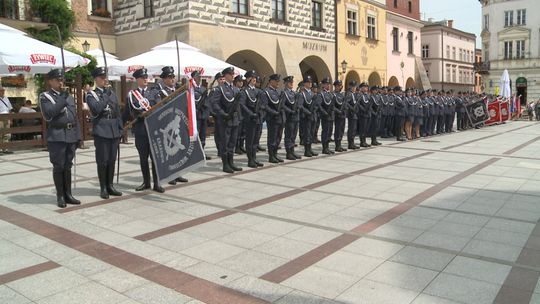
[[448, 219]]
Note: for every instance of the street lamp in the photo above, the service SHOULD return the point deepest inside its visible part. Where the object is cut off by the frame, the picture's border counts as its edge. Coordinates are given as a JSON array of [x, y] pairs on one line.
[[86, 46], [344, 66]]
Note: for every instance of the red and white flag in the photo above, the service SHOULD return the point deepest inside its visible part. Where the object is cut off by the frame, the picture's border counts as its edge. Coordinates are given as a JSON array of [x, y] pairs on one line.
[[192, 111]]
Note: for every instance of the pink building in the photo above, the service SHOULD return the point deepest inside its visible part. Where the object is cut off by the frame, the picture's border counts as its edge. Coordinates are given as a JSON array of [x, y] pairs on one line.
[[448, 55], [403, 43]]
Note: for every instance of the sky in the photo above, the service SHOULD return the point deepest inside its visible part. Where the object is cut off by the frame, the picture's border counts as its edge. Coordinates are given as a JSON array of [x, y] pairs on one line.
[[467, 14]]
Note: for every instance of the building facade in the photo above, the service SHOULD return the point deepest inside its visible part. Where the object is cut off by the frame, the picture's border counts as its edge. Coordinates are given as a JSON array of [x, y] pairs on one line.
[[361, 41], [448, 55], [478, 78], [270, 36], [403, 48], [511, 40]]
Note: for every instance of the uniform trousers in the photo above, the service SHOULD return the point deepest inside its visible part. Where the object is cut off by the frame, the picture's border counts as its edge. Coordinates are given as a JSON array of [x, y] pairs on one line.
[[291, 129], [61, 155], [106, 150]]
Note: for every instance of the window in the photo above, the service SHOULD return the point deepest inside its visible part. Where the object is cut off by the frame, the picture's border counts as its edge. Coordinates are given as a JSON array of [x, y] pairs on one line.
[[316, 14], [148, 8], [410, 37], [410, 6], [520, 49], [460, 54], [454, 53], [395, 39], [352, 22], [425, 51], [240, 7], [486, 22], [448, 73], [521, 17], [508, 18], [278, 10], [508, 50], [454, 73], [460, 76], [371, 27], [448, 51], [9, 9], [395, 3]]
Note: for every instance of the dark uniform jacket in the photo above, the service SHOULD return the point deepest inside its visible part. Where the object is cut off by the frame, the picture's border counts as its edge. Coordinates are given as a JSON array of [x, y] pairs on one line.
[[306, 105], [352, 105], [290, 106], [250, 103], [340, 106], [375, 105], [60, 112], [326, 105], [400, 106], [225, 104], [273, 106], [106, 119], [135, 109], [364, 106]]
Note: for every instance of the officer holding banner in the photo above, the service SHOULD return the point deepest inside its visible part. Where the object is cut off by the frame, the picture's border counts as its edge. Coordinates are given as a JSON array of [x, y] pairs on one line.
[[106, 130], [138, 102]]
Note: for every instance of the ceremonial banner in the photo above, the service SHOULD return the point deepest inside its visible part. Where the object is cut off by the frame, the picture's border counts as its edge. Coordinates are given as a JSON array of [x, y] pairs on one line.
[[477, 112], [174, 151], [494, 110], [505, 111]]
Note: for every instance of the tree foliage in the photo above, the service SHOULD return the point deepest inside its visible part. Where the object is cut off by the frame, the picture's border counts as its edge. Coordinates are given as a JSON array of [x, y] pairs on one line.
[[54, 12]]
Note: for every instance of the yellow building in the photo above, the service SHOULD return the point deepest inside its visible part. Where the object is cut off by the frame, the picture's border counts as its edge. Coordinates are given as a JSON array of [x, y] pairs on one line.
[[361, 41]]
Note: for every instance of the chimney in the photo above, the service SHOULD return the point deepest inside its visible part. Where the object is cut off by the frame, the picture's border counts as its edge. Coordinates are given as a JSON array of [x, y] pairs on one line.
[[450, 23]]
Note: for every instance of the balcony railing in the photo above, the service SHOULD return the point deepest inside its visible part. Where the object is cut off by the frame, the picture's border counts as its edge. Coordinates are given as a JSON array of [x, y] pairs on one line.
[[482, 67]]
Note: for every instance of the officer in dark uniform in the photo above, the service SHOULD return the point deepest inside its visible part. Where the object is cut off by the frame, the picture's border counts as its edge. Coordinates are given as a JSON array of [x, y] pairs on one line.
[[460, 110], [290, 106], [219, 79], [166, 88], [262, 115], [306, 108], [433, 111], [106, 130], [352, 114], [139, 101], [227, 108], [63, 135], [384, 112], [275, 116], [439, 102], [201, 96], [451, 113], [391, 110], [325, 101], [375, 101], [364, 114], [400, 113], [250, 103], [241, 136], [340, 110], [316, 115]]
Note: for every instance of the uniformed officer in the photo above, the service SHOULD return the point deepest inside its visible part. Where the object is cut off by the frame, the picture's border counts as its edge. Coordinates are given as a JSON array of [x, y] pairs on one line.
[[290, 106], [391, 110], [227, 108], [325, 101], [439, 101], [400, 113], [363, 114], [166, 88], [340, 110], [451, 112], [352, 114], [275, 116], [201, 105], [461, 113], [418, 116], [384, 112], [316, 117], [250, 103], [106, 129], [241, 136], [63, 135], [410, 110], [139, 101], [220, 80], [306, 108], [375, 101], [262, 115]]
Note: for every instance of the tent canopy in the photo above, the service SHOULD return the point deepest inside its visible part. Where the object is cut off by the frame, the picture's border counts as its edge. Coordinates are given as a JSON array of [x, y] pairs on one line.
[[191, 59]]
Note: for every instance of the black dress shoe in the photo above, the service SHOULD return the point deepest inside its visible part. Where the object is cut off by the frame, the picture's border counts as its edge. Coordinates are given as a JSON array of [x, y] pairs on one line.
[[181, 179], [173, 182], [158, 189], [143, 187], [207, 157], [7, 152]]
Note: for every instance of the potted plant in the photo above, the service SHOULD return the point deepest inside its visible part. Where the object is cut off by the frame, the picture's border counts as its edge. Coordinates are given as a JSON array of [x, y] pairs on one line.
[[101, 12]]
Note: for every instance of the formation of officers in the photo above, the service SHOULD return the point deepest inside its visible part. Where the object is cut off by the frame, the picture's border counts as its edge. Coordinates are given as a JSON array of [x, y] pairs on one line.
[[240, 107]]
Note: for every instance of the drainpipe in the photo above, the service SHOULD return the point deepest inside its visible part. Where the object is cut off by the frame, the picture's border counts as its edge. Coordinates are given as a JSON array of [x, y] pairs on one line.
[[336, 59]]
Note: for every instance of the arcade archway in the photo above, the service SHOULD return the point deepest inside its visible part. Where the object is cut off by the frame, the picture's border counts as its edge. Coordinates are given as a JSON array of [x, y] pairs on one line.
[[250, 60], [410, 83], [315, 67], [352, 75], [374, 79], [393, 81]]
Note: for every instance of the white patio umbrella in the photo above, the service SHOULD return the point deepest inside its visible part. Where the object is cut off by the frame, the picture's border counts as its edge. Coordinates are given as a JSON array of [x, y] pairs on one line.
[[506, 90], [111, 60], [191, 59], [30, 56], [9, 29]]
